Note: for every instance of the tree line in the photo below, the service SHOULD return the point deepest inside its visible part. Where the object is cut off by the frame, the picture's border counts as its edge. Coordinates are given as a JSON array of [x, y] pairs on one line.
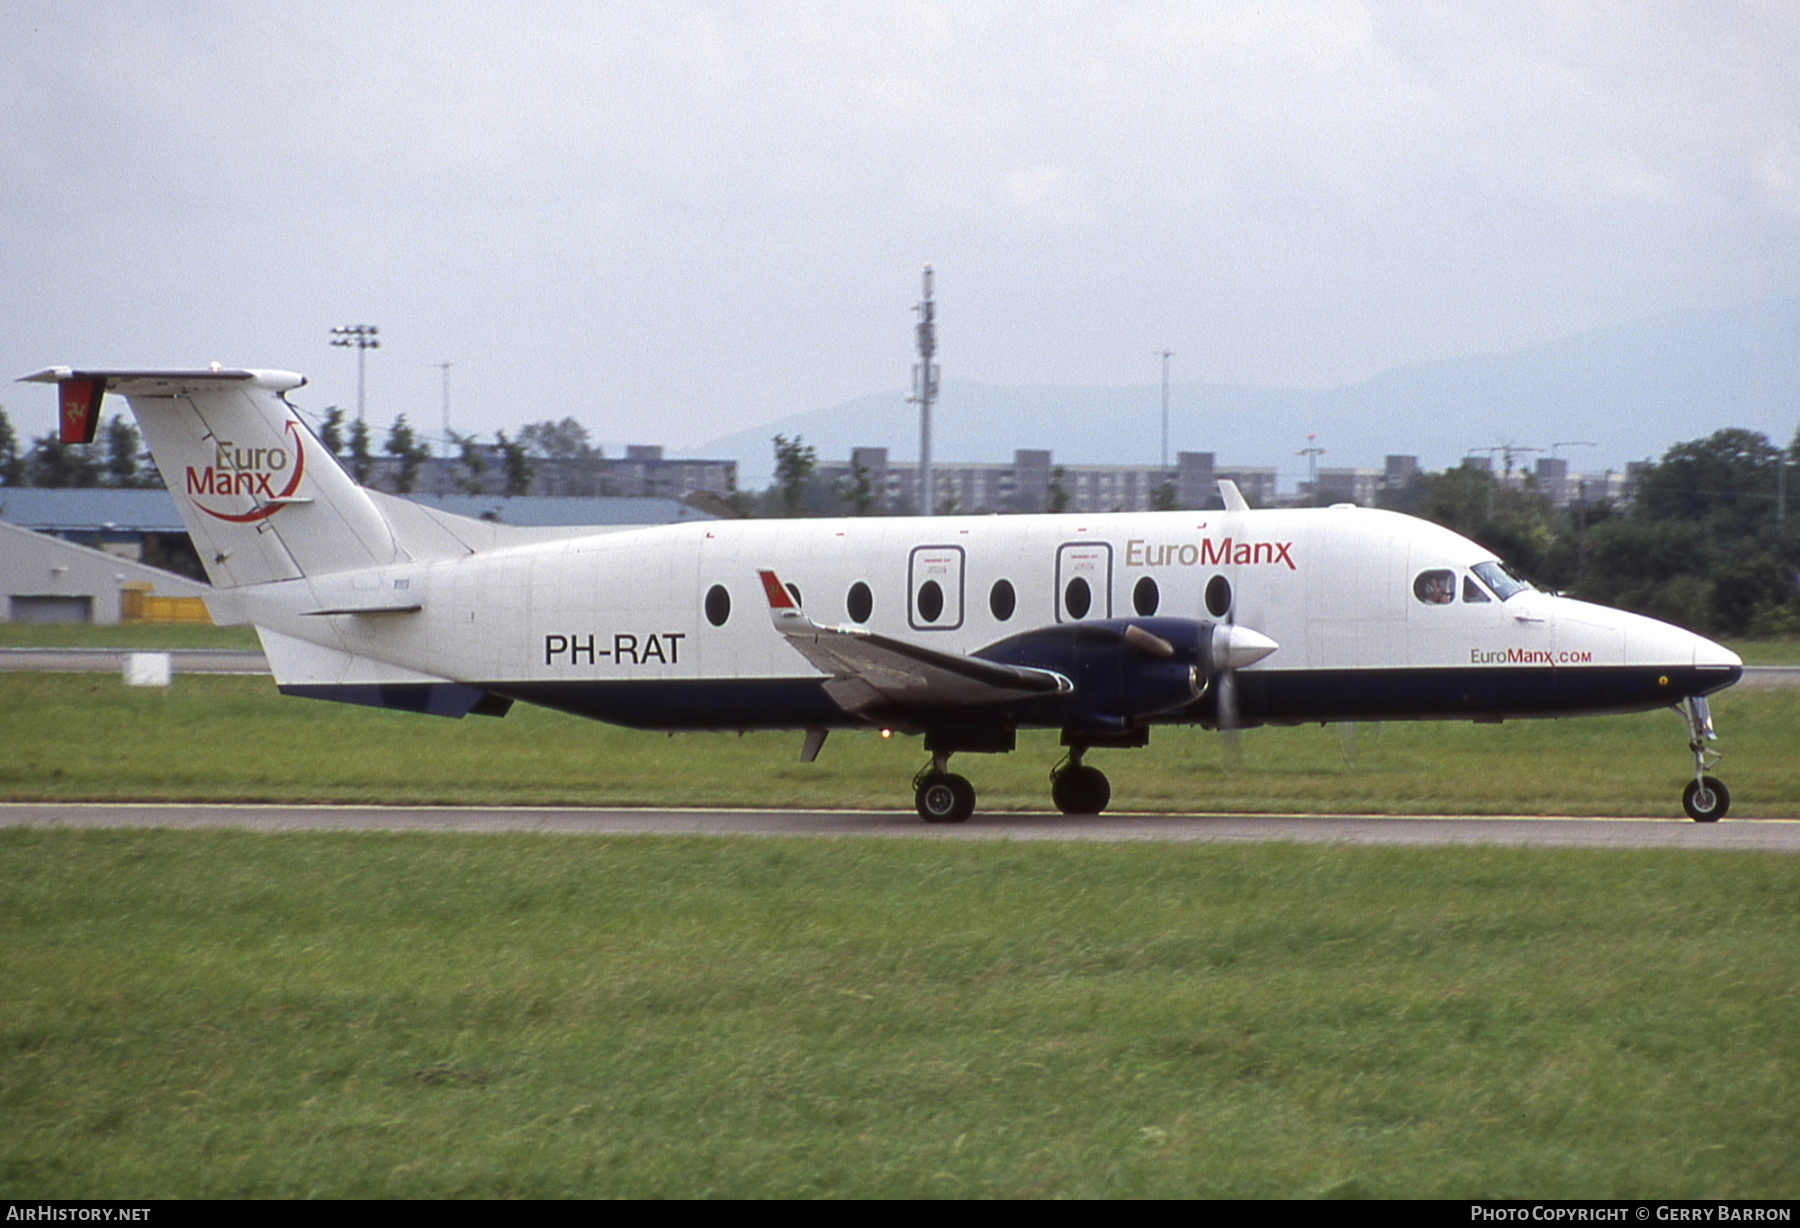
[[1707, 537], [118, 459], [508, 459]]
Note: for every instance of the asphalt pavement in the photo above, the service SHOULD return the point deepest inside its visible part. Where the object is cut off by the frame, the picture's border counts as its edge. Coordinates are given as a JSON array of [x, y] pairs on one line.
[[1739, 835], [112, 660]]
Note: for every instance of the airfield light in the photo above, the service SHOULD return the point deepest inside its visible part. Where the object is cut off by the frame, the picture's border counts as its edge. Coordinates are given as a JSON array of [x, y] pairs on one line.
[[362, 336]]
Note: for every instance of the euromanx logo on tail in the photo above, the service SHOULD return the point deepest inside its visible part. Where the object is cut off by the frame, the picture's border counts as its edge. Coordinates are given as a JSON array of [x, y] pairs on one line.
[[238, 471]]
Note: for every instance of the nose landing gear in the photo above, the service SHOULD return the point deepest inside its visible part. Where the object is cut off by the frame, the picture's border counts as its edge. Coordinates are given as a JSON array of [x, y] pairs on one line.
[[1706, 799]]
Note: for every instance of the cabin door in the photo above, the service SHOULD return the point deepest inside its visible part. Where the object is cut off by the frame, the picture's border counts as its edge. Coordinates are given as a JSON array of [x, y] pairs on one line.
[[1083, 581], [934, 578]]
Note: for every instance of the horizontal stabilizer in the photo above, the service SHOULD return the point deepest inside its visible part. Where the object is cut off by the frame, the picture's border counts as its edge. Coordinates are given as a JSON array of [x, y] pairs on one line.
[[164, 383], [411, 607]]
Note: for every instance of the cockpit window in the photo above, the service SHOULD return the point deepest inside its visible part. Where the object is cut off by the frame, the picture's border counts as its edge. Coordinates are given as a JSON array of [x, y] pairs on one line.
[[1502, 579], [1473, 592], [1435, 587]]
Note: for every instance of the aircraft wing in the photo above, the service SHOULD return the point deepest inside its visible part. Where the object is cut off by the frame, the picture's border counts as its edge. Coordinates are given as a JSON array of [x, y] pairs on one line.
[[869, 670]]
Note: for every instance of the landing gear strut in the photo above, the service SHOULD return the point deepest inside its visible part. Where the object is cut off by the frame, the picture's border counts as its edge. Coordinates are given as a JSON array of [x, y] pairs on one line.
[[1077, 788], [1706, 799], [941, 796]]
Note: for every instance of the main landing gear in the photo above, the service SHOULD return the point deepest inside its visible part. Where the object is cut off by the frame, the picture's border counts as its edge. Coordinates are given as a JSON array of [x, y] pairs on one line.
[[1077, 788], [941, 796], [944, 797], [1706, 799]]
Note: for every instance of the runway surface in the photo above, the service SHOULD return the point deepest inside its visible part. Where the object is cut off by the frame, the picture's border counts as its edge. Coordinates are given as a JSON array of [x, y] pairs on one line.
[[1765, 835]]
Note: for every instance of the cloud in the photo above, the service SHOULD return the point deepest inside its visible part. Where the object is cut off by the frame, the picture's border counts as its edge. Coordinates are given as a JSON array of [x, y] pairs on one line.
[[711, 215]]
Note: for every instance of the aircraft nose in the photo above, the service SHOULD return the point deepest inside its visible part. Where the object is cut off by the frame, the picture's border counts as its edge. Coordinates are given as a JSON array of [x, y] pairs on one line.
[[1715, 667], [1708, 655]]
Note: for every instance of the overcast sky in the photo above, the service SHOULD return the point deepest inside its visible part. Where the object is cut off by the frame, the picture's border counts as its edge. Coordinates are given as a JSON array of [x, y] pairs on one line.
[[674, 221]]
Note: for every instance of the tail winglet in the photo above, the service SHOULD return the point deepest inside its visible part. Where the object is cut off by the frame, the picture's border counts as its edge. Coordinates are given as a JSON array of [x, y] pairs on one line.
[[784, 611]]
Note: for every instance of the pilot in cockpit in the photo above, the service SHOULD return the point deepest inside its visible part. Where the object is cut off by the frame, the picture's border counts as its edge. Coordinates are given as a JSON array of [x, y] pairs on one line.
[[1435, 587]]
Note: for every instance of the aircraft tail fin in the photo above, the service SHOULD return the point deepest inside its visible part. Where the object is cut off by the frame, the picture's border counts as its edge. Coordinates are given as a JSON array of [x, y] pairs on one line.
[[262, 498]]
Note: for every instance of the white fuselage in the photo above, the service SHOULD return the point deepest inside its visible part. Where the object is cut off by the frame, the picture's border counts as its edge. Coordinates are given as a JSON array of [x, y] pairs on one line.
[[1334, 588]]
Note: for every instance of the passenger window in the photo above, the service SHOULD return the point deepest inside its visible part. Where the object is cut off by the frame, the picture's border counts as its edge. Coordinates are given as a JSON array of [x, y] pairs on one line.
[[1218, 596], [1473, 592], [718, 605], [931, 601], [1437, 587], [1078, 598], [1145, 597], [860, 603], [1002, 600]]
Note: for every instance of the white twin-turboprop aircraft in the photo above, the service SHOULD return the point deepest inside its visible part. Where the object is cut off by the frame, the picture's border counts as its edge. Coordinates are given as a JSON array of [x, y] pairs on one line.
[[963, 629]]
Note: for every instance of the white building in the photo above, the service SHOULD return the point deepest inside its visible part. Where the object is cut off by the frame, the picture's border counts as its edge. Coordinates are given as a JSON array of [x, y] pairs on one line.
[[48, 580]]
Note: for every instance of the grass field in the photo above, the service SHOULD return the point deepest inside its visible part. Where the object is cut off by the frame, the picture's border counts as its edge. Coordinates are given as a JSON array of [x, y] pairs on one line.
[[86, 736], [199, 1014], [124, 635], [1767, 652], [192, 1014]]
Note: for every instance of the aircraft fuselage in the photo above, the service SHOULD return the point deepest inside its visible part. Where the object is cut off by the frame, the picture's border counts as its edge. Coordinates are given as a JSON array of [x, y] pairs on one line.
[[666, 628]]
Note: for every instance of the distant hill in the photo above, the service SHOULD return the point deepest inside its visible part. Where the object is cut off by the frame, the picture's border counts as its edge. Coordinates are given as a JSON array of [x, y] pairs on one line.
[[1633, 389]]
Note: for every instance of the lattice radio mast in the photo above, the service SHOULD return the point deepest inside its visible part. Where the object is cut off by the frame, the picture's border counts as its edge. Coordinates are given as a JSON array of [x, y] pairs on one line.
[[925, 391]]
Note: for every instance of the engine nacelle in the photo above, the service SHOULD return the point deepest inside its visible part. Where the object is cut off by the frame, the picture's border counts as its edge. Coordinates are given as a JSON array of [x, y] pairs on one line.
[[1122, 669]]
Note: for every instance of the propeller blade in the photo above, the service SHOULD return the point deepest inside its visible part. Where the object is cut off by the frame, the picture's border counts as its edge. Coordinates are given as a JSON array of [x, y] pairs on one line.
[[1149, 644], [1228, 716]]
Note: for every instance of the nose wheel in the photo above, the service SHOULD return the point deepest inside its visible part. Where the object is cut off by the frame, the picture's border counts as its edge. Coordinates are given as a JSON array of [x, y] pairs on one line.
[[1706, 799]]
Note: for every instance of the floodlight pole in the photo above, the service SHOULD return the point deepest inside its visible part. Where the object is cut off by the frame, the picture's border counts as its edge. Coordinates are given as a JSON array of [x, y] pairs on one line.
[[362, 336], [448, 442]]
